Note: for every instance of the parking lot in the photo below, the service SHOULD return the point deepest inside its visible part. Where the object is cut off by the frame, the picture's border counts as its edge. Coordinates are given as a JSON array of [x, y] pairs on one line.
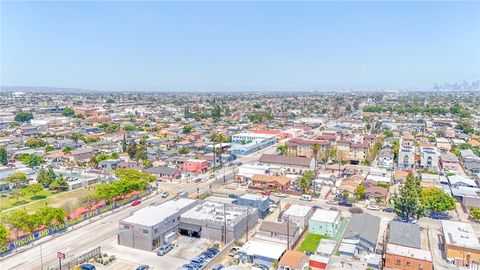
[[185, 249]]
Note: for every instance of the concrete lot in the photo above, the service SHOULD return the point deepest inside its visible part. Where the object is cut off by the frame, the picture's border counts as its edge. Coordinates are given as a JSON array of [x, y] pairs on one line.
[[185, 249]]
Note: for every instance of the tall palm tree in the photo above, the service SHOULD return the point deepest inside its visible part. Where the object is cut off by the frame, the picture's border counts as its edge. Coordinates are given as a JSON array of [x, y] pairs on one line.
[[214, 139], [315, 149]]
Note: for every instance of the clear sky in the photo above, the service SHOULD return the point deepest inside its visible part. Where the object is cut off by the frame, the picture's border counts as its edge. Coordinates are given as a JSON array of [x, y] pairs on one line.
[[228, 46]]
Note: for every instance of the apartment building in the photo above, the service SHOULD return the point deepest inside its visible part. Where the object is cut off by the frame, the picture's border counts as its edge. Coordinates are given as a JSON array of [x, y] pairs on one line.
[[429, 158], [406, 157]]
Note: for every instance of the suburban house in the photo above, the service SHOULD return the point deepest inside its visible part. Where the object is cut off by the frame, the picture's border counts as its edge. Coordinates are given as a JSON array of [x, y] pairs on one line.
[[279, 233], [299, 214], [461, 244], [196, 166], [296, 165], [403, 248], [343, 150], [271, 182], [360, 236], [164, 173], [324, 222], [385, 158], [449, 161], [263, 252], [292, 260], [82, 154]]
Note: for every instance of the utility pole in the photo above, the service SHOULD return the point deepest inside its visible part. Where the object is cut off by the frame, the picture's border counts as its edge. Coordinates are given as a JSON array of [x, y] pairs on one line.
[[288, 233], [248, 210], [225, 222]]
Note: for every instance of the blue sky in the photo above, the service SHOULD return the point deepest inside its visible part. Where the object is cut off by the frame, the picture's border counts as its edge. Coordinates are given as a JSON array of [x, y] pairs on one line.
[[227, 46]]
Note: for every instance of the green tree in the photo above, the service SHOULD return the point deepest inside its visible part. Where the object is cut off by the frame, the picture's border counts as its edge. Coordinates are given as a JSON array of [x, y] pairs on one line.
[[45, 177], [60, 183], [17, 179], [49, 148], [407, 203], [283, 149], [67, 149], [33, 160], [132, 149], [475, 213], [21, 221], [187, 128], [124, 144], [360, 192], [306, 180], [75, 136], [3, 156], [49, 216], [35, 189], [23, 117], [3, 234], [114, 156], [183, 150], [435, 199], [68, 112], [35, 143]]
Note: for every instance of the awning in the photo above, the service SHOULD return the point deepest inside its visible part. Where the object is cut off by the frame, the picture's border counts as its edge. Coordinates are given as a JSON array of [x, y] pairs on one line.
[[190, 227]]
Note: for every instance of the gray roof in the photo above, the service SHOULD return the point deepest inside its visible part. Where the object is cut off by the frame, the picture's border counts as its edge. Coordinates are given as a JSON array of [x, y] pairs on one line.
[[404, 234], [161, 170], [363, 226], [449, 157], [279, 228]]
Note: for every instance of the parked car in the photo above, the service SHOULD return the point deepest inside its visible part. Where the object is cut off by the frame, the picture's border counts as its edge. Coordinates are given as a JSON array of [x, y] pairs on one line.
[[212, 176], [233, 251], [333, 208], [87, 266], [279, 194], [331, 202], [218, 267], [165, 194], [439, 215], [389, 210], [306, 197], [266, 192], [406, 220], [233, 196], [182, 194], [373, 207], [164, 249], [143, 267], [317, 207], [135, 203], [197, 180], [345, 203]]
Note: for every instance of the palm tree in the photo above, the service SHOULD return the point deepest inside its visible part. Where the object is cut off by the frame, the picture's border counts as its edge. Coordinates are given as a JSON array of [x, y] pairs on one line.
[[315, 149]]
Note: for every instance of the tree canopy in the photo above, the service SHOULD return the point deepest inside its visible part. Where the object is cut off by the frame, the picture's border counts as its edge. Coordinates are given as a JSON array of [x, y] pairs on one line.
[[435, 199], [407, 203], [23, 117]]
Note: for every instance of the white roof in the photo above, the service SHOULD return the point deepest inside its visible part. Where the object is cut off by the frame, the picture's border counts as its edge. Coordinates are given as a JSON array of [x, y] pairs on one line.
[[298, 210], [454, 179], [320, 258], [150, 216], [253, 197], [177, 204], [263, 249], [460, 234], [326, 246], [326, 216], [409, 252]]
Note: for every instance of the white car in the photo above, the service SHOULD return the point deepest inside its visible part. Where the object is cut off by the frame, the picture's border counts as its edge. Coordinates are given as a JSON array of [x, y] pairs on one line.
[[279, 194], [373, 207]]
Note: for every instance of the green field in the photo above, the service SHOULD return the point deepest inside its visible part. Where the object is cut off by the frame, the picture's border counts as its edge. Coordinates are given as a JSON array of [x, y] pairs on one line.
[[310, 242], [69, 199]]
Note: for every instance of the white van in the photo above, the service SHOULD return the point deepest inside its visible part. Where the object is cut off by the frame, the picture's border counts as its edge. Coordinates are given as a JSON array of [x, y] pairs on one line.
[[306, 197]]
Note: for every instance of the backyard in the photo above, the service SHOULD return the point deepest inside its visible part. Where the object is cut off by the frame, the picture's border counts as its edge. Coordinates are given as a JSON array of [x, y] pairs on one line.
[[310, 242]]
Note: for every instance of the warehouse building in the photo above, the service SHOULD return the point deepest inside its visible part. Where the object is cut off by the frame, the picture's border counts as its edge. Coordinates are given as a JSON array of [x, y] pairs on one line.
[[152, 226], [218, 221]]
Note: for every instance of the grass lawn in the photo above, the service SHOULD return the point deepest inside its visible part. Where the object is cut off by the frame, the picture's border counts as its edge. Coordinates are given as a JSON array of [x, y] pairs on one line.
[[26, 197], [310, 242], [69, 199]]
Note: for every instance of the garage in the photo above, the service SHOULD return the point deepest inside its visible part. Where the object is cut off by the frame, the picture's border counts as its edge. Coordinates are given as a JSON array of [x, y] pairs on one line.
[[190, 230]]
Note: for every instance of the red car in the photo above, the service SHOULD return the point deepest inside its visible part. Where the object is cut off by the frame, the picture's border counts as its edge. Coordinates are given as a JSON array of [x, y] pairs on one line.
[[266, 193], [135, 203]]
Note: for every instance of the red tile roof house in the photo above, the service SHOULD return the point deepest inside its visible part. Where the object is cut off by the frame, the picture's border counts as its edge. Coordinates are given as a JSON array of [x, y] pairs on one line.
[[270, 182], [296, 165], [372, 191]]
